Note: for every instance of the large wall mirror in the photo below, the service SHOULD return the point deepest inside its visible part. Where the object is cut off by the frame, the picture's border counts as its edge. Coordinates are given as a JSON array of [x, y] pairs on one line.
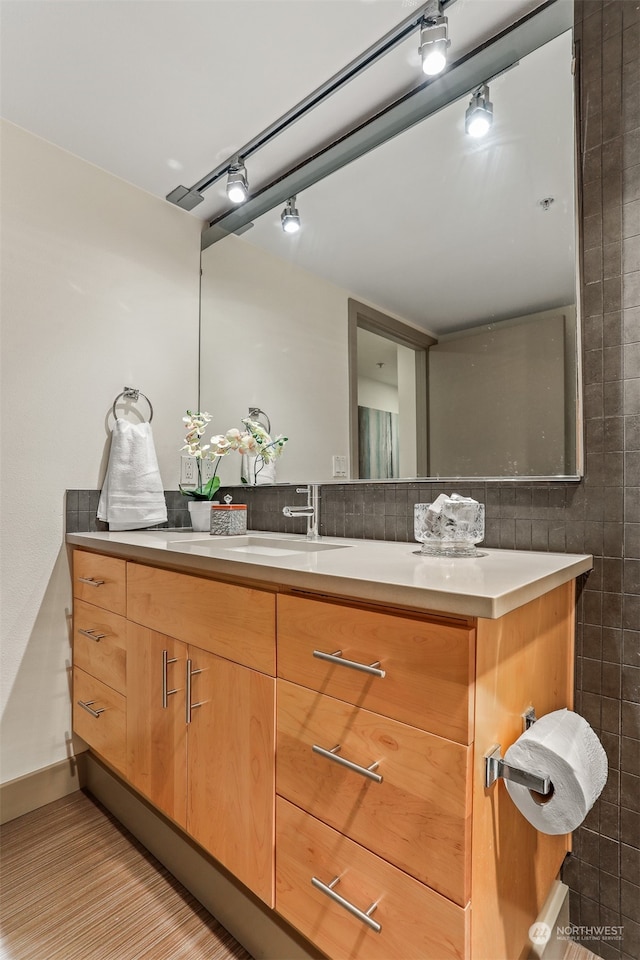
[[423, 322]]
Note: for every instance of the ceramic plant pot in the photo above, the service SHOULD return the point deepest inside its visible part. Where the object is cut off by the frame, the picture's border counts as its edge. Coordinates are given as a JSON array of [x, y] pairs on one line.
[[200, 512]]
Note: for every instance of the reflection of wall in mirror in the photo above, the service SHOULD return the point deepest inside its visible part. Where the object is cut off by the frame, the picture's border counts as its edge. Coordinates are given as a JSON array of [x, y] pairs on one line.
[[399, 399], [501, 389], [274, 336]]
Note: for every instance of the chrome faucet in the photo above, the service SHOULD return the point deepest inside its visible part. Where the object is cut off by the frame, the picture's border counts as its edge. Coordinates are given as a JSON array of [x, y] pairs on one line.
[[310, 510]]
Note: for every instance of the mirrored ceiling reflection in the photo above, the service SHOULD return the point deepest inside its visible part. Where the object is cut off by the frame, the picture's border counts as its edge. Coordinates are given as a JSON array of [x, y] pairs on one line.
[[446, 231], [433, 228]]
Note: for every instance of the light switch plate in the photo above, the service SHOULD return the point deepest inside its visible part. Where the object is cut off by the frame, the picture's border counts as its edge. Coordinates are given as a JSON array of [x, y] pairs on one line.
[[339, 466]]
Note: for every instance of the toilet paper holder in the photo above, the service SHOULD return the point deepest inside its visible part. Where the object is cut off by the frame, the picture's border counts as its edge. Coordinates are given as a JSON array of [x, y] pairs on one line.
[[495, 766]]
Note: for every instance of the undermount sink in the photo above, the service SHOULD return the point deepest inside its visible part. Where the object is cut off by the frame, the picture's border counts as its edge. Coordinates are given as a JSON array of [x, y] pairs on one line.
[[266, 546]]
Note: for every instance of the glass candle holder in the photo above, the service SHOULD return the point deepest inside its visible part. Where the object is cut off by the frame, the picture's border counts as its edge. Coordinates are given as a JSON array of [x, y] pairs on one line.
[[452, 530]]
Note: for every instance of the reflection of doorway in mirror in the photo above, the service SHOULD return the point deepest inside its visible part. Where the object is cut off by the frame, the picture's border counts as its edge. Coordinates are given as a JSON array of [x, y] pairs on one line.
[[387, 364], [378, 444]]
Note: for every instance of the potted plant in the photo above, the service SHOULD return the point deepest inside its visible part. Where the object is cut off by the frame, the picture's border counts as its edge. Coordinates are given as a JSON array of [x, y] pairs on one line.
[[254, 444], [200, 496], [253, 441]]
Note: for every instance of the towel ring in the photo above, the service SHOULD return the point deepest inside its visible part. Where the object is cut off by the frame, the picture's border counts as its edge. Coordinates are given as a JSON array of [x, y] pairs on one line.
[[130, 393]]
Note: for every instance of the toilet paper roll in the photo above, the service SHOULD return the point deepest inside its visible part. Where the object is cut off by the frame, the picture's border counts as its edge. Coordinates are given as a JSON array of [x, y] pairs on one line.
[[563, 746]]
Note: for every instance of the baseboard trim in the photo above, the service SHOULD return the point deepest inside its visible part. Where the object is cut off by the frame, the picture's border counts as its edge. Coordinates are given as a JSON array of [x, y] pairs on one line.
[[555, 914], [260, 931], [43, 786]]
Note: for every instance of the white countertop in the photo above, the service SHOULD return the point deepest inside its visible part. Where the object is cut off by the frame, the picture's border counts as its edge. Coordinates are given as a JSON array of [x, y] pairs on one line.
[[488, 586]]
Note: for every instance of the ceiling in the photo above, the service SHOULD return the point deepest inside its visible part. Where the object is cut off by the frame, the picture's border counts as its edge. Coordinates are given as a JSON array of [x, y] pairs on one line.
[[158, 92], [446, 231]]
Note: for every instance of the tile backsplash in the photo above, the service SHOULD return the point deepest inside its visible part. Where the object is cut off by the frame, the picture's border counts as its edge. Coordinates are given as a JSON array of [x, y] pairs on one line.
[[599, 515]]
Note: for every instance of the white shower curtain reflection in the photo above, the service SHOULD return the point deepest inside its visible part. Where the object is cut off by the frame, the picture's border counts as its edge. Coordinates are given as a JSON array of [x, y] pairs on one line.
[[378, 453]]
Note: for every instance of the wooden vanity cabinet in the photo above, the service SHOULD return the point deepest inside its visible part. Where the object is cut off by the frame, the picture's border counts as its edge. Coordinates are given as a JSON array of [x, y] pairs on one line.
[[427, 846], [99, 656], [231, 776], [233, 621], [361, 765], [156, 727], [428, 661], [417, 814], [415, 923], [206, 762], [100, 581]]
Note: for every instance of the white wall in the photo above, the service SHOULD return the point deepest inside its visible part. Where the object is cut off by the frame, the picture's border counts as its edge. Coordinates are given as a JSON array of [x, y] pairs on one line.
[[496, 400], [275, 336], [378, 395], [407, 426], [99, 289]]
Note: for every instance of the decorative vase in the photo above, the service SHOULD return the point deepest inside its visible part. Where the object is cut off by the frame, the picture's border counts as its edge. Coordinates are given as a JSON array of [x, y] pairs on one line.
[[200, 512]]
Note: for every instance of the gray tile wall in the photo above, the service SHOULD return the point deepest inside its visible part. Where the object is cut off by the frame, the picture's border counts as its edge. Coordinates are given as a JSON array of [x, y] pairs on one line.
[[600, 515]]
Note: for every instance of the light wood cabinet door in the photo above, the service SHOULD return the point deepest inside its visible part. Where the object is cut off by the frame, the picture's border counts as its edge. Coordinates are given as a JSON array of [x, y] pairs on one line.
[[231, 789], [100, 580], [100, 718], [99, 644], [156, 722], [428, 664], [416, 923], [232, 621], [417, 815]]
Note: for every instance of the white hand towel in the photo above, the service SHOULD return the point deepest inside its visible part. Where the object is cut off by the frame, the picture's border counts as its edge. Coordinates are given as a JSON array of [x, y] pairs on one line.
[[132, 496]]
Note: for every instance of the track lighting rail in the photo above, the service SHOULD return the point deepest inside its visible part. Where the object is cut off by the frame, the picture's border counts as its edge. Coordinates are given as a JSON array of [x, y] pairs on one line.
[[470, 72], [190, 197]]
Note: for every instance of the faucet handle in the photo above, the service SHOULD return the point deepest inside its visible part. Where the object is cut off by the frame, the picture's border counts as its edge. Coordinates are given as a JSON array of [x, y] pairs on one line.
[[302, 489]]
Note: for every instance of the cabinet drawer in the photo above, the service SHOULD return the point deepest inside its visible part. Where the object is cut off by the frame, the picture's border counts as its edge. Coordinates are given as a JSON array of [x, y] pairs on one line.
[[237, 623], [99, 644], [428, 665], [418, 817], [107, 732], [99, 580], [416, 923]]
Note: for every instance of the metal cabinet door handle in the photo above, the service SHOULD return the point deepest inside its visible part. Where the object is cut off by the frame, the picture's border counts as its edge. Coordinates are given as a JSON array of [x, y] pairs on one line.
[[92, 635], [349, 764], [86, 705], [188, 705], [364, 915], [91, 581], [337, 658], [165, 692]]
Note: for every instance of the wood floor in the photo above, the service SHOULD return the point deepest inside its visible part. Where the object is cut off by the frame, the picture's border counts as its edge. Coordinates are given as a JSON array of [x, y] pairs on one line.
[[77, 886]]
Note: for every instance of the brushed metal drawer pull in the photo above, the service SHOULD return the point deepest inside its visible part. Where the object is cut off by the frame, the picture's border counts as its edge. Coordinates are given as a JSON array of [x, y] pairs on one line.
[[364, 915], [86, 705], [165, 692], [349, 764], [91, 581], [92, 635], [188, 705], [336, 657]]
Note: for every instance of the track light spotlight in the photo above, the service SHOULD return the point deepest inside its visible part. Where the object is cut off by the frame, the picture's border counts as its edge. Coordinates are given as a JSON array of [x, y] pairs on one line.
[[237, 183], [479, 115], [434, 41], [290, 217]]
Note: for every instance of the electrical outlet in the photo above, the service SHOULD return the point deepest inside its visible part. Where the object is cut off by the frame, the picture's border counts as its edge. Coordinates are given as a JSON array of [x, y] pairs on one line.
[[208, 467], [188, 471], [339, 466]]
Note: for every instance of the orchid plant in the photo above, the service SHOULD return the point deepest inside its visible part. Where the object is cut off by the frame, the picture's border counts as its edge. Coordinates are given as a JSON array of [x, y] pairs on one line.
[[253, 441]]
